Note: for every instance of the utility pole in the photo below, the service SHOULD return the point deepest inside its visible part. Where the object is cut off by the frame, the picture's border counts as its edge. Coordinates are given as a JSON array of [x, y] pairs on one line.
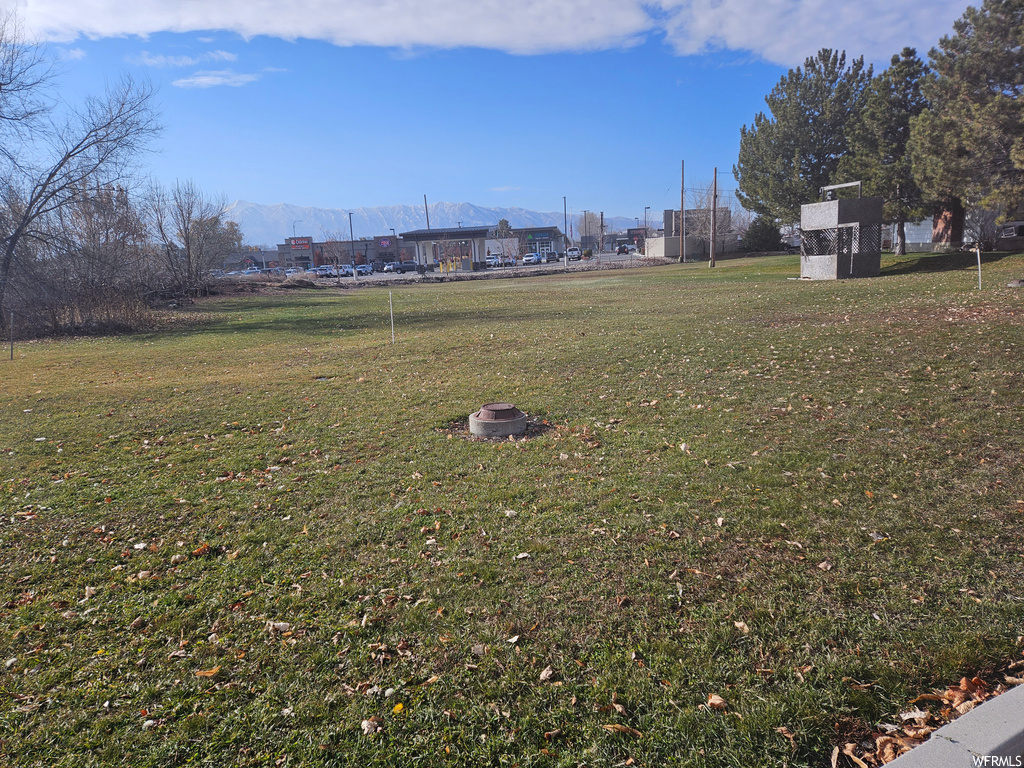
[[583, 234], [426, 210], [714, 215], [682, 211], [565, 232], [600, 246], [646, 228]]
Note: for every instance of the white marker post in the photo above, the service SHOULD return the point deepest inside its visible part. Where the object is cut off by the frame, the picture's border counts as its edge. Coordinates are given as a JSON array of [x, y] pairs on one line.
[[391, 306]]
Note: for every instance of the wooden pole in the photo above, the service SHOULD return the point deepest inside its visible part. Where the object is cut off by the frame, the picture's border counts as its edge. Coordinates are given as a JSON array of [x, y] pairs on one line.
[[714, 216], [682, 211], [426, 210], [12, 325]]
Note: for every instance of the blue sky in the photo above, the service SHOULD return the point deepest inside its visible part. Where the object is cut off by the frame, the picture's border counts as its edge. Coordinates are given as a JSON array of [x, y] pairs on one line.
[[363, 103]]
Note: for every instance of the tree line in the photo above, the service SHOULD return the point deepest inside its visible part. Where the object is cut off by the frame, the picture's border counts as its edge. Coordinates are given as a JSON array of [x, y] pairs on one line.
[[85, 243], [929, 138]]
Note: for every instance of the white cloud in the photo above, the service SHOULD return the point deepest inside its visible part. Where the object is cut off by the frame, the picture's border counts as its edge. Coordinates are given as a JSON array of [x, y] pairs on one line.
[[787, 31], [212, 79], [781, 31], [159, 60], [71, 54]]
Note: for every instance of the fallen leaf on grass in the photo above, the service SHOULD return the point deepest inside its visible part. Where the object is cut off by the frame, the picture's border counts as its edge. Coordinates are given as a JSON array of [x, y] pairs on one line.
[[848, 751], [825, 565], [742, 627], [784, 731], [372, 725], [913, 714], [716, 702], [547, 674], [208, 672], [549, 735], [623, 729]]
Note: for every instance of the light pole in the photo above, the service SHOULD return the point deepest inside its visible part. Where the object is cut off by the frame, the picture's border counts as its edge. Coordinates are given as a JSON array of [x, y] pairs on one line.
[[394, 242], [297, 221], [352, 245], [565, 232]]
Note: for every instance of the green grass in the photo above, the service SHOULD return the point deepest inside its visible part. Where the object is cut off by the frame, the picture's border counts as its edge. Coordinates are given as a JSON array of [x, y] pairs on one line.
[[850, 490]]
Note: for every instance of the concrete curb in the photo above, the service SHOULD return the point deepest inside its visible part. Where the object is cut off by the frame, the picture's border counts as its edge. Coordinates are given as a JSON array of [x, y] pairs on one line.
[[990, 735]]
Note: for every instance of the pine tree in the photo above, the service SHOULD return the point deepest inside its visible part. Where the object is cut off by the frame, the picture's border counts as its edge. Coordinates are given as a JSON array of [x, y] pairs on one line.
[[786, 158], [879, 139], [970, 144]]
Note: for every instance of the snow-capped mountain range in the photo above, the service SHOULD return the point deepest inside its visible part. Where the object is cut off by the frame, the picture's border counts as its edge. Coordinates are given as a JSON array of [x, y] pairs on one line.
[[271, 224]]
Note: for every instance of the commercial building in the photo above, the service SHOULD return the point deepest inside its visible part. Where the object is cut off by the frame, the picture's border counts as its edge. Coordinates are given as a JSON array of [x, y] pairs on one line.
[[304, 253], [469, 246]]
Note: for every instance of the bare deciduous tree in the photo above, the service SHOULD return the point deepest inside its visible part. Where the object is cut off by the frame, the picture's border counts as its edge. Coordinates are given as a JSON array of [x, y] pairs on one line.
[[191, 232], [24, 79], [48, 165], [699, 221], [588, 229]]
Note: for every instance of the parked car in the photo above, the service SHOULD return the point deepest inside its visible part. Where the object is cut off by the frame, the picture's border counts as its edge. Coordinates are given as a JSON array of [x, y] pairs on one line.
[[552, 256], [392, 266], [574, 253], [292, 271], [622, 249], [407, 266], [533, 258], [493, 262], [364, 269]]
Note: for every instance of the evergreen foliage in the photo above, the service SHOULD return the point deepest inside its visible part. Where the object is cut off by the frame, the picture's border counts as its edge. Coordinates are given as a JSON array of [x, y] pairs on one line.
[[879, 138], [785, 158], [970, 144], [762, 235]]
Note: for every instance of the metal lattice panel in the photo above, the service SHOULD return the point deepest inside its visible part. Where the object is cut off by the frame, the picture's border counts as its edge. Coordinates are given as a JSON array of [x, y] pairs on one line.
[[870, 238], [819, 242]]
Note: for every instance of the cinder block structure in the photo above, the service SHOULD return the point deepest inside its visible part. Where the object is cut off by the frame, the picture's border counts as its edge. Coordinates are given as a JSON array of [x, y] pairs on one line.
[[841, 239]]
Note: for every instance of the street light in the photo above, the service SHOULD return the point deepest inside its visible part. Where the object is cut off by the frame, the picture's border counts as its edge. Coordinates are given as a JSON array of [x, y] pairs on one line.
[[565, 232], [352, 244], [297, 221], [583, 234]]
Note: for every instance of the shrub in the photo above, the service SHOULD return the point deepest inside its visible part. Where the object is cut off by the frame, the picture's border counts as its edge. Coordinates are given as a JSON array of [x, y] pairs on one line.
[[762, 235]]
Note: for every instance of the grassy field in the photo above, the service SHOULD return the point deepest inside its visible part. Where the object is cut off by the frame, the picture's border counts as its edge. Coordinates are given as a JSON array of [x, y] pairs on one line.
[[262, 537]]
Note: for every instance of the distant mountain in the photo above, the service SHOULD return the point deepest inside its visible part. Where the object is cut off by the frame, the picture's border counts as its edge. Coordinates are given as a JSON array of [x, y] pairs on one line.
[[271, 224]]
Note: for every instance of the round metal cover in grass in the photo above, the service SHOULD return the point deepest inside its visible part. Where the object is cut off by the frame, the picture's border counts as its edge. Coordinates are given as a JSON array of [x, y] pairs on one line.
[[497, 420]]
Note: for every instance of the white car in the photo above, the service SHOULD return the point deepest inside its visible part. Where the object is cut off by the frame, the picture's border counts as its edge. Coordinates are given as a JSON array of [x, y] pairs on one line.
[[574, 254], [533, 258]]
